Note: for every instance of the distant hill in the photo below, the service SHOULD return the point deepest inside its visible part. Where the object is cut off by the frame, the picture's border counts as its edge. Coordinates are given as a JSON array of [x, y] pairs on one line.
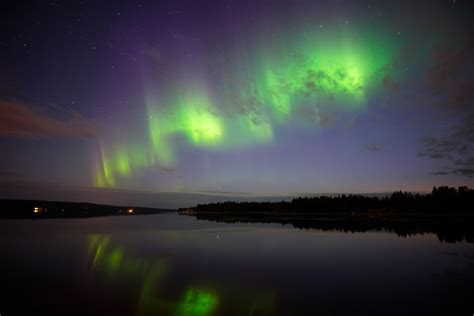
[[53, 209]]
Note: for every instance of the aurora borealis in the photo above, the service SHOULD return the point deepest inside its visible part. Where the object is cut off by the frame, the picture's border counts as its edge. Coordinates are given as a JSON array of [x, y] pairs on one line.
[[318, 74], [238, 98]]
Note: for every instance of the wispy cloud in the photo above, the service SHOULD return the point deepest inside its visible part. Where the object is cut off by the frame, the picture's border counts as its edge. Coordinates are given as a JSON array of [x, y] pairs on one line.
[[468, 172], [440, 148], [18, 120], [454, 147], [440, 173]]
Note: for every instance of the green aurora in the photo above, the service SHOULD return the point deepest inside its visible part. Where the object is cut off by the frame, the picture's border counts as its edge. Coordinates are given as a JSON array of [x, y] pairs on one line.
[[317, 72]]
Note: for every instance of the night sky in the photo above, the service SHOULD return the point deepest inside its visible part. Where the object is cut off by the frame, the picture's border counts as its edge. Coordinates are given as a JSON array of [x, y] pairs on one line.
[[235, 98]]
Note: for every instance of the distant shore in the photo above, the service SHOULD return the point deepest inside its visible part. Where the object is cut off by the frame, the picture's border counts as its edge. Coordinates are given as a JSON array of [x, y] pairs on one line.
[[442, 200], [446, 212], [36, 209]]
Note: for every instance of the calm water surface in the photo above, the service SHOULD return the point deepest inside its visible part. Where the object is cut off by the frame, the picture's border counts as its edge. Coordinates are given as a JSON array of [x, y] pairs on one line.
[[175, 265]]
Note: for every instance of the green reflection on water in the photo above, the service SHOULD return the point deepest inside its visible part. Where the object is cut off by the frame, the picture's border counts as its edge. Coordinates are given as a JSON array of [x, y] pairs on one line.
[[197, 302], [114, 263]]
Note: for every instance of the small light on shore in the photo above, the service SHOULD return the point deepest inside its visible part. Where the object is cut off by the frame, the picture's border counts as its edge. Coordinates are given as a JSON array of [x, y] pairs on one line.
[[130, 210], [36, 210]]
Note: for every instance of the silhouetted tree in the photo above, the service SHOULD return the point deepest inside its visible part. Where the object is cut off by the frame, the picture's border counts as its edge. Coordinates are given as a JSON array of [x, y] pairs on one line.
[[442, 199]]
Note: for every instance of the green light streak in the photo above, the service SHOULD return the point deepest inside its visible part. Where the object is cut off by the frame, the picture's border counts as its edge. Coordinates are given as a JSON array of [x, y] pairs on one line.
[[261, 91], [97, 247], [159, 128], [122, 163]]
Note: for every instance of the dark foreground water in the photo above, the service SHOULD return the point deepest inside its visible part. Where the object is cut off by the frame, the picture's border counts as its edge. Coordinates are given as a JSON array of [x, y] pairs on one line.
[[175, 265]]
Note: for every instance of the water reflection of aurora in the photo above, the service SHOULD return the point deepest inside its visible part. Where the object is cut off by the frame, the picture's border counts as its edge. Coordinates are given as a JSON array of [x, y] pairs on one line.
[[112, 262]]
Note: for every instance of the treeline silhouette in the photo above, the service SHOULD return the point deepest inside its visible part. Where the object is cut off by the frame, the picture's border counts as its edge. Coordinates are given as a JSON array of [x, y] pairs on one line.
[[53, 209], [441, 200]]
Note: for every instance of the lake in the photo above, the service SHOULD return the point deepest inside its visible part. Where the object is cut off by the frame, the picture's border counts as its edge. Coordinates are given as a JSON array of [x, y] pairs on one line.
[[169, 264]]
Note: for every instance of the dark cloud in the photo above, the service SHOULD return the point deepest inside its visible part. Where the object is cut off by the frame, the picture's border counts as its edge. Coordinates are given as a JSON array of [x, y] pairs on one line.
[[249, 106], [469, 161], [18, 120], [440, 148], [468, 172], [454, 147], [440, 173], [316, 80], [448, 80], [456, 142]]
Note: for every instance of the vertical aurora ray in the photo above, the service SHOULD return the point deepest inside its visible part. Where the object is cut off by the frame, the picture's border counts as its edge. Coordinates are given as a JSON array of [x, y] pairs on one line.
[[104, 176], [119, 161], [261, 90], [158, 127]]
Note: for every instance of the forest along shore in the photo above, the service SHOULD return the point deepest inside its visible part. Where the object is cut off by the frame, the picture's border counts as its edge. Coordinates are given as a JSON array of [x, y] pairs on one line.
[[446, 212]]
